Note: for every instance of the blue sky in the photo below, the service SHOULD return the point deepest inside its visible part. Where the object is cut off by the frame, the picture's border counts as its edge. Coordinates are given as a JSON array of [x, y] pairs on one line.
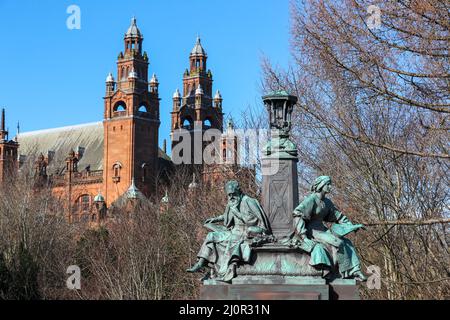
[[53, 76]]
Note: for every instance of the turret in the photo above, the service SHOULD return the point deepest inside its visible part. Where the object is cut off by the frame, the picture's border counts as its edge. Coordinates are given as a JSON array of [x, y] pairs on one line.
[[110, 84], [176, 100], [153, 84], [218, 100]]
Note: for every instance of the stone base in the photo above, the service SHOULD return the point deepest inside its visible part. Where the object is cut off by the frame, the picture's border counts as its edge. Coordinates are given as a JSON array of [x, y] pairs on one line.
[[287, 288], [264, 292], [277, 272], [274, 259], [344, 289]]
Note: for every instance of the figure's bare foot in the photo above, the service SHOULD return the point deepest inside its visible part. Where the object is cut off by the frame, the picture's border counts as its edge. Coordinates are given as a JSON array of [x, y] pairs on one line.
[[198, 266], [358, 275]]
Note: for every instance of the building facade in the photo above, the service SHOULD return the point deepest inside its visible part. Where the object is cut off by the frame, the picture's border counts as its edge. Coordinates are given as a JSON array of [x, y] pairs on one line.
[[91, 166]]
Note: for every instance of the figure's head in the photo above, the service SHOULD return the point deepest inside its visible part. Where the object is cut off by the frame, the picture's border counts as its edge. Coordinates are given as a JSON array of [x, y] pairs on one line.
[[322, 183], [233, 191]]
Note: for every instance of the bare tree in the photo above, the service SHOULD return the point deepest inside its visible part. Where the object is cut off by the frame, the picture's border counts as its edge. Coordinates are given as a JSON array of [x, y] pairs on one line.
[[373, 114], [36, 242]]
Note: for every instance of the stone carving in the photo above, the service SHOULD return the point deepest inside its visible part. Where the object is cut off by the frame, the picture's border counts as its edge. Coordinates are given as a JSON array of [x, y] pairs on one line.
[[328, 248], [244, 225]]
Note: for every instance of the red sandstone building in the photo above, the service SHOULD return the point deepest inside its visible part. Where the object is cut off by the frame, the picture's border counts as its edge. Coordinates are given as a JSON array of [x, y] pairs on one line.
[[100, 162]]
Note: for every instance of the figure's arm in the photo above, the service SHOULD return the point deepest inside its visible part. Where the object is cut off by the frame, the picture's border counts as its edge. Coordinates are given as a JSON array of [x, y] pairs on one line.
[[334, 215], [215, 219], [255, 213], [300, 227], [302, 214], [338, 217]]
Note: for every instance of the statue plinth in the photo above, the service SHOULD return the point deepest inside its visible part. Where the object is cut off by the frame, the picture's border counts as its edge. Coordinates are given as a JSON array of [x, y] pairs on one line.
[[280, 193], [275, 272]]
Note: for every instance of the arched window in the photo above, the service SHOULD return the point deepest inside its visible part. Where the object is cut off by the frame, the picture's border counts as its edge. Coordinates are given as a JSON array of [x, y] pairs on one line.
[[120, 106], [187, 123], [83, 204], [145, 173], [143, 108], [117, 167], [207, 123]]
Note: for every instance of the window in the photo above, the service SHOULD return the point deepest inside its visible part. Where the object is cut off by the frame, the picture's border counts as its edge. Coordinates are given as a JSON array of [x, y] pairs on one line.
[[83, 204], [207, 123], [84, 218], [142, 108], [145, 172], [116, 172], [187, 123], [120, 106]]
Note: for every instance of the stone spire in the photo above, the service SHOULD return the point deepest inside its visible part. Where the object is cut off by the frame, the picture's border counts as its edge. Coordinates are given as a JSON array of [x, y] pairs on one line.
[[3, 130]]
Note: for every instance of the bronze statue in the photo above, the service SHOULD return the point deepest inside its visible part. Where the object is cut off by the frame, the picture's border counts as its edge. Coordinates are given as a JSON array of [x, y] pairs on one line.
[[244, 225], [327, 247]]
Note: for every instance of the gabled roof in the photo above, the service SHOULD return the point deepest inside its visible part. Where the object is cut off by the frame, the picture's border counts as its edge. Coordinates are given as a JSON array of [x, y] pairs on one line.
[[62, 140]]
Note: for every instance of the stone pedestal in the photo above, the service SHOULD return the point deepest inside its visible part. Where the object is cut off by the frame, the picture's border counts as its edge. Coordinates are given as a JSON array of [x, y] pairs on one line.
[[267, 288], [344, 289], [274, 273], [278, 288], [279, 193]]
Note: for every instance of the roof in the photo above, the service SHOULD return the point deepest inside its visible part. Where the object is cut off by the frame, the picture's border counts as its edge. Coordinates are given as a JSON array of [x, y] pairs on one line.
[[198, 49], [62, 140], [133, 31], [176, 94], [99, 198], [133, 192]]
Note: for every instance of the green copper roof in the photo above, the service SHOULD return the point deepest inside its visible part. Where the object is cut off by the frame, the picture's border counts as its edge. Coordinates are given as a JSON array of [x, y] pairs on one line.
[[280, 94], [133, 192], [99, 198]]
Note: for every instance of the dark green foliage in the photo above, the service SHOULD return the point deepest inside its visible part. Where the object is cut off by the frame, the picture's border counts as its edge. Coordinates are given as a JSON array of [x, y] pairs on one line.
[[19, 278]]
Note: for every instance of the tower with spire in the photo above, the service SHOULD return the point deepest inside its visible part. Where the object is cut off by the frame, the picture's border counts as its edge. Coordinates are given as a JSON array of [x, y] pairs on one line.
[[196, 108], [131, 121], [8, 151]]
